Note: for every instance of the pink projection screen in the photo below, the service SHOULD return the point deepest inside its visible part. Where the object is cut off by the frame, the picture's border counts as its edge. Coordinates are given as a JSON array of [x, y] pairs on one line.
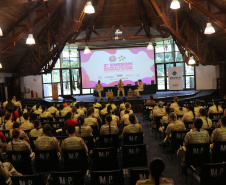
[[109, 66]]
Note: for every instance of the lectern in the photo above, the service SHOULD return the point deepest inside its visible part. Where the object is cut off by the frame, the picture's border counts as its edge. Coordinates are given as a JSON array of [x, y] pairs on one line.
[[55, 91]]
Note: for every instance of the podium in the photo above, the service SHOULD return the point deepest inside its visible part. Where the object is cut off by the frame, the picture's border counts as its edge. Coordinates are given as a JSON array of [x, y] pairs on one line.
[[55, 91], [130, 94], [109, 94]]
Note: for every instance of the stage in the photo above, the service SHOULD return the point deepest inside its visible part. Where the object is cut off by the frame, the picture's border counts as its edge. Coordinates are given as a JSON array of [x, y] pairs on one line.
[[160, 95]]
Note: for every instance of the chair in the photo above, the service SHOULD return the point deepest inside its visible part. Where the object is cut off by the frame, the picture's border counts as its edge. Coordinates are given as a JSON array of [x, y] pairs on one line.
[[21, 161], [63, 178], [57, 124], [89, 141], [96, 131], [212, 173], [138, 174], [197, 154], [6, 133], [179, 117], [28, 180], [46, 160], [46, 120], [219, 152], [61, 138], [133, 138], [215, 116], [209, 130], [134, 156], [105, 159], [188, 124], [107, 177], [61, 119], [75, 160], [32, 142], [111, 140]]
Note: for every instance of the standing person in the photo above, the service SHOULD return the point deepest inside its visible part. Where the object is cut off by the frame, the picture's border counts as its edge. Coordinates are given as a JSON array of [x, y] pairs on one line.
[[156, 168], [99, 88], [139, 88], [121, 88]]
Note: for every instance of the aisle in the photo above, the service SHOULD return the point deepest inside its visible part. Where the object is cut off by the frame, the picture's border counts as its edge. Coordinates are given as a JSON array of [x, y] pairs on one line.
[[154, 150]]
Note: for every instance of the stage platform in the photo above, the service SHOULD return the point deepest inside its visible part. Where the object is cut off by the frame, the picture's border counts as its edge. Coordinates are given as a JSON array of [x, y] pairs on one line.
[[160, 95]]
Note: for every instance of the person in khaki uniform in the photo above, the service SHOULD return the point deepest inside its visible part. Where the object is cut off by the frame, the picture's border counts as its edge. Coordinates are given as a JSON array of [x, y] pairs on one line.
[[6, 171], [73, 142], [125, 119], [127, 107], [195, 135], [99, 88], [181, 110], [134, 126], [197, 107], [104, 110], [90, 120], [83, 130], [216, 108], [150, 101], [219, 134], [207, 123], [121, 89], [22, 135], [174, 125], [113, 106], [96, 104], [61, 112], [21, 119], [123, 104], [45, 113], [115, 119], [175, 105], [165, 120], [82, 107], [8, 125], [46, 141], [156, 168], [189, 116], [139, 88], [159, 110], [27, 125], [16, 144], [37, 131], [52, 109], [108, 128], [38, 109], [75, 113], [80, 111], [68, 107]]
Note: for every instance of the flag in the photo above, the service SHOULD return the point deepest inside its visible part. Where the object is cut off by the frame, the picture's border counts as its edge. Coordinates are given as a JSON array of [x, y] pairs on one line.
[[78, 81], [66, 85], [73, 83]]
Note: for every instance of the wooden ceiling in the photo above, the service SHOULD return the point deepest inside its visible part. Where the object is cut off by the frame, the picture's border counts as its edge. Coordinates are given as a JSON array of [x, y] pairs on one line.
[[57, 22]]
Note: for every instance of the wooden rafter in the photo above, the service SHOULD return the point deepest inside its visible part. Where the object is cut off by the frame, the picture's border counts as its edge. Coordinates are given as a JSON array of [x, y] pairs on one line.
[[7, 3], [19, 35]]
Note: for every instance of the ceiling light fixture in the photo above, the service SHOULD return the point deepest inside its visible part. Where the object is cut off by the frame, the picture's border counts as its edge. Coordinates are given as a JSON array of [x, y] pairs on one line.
[[87, 50], [191, 61], [30, 39], [89, 9], [0, 65], [150, 46], [209, 29], [175, 4], [1, 33]]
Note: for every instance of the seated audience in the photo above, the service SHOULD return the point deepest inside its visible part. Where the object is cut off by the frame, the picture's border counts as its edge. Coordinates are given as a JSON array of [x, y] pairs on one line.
[[127, 107], [80, 111], [197, 107], [96, 104], [69, 120], [23, 135], [68, 107], [108, 128], [90, 120], [15, 113], [73, 142], [64, 102], [207, 123], [61, 112], [74, 102], [175, 105], [134, 126], [150, 101], [122, 105], [27, 125], [45, 113], [21, 118], [75, 113], [181, 110], [38, 109], [37, 131], [83, 130], [156, 168], [216, 108], [113, 106], [52, 109], [219, 134], [115, 119], [104, 110], [2, 117], [8, 125], [189, 116]]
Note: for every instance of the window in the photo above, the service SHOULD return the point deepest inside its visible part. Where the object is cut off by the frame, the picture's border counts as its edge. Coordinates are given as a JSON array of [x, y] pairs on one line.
[[168, 55], [66, 73]]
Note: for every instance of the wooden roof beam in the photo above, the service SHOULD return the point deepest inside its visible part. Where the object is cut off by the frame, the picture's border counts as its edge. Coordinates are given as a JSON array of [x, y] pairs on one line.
[[207, 12], [8, 3], [19, 35]]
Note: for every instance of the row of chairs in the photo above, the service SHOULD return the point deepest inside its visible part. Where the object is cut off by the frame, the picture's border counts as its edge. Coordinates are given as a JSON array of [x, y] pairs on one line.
[[115, 177]]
